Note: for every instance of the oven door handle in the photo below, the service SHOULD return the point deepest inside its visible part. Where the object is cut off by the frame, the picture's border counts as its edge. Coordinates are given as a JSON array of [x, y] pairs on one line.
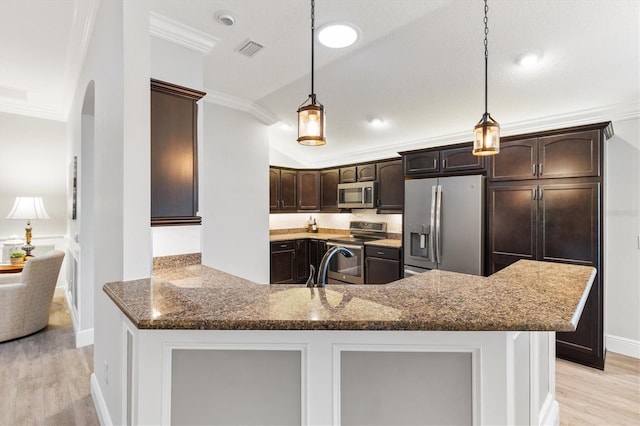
[[349, 246]]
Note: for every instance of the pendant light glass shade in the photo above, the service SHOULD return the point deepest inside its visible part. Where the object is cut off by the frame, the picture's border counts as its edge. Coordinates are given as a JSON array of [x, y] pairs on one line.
[[486, 134], [311, 123]]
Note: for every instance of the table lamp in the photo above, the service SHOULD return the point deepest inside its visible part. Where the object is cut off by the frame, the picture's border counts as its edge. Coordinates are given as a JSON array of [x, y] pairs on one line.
[[29, 208]]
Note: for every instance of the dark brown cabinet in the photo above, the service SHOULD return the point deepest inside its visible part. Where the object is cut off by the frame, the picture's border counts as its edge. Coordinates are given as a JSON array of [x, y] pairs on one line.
[[289, 262], [329, 180], [317, 249], [574, 154], [390, 186], [455, 160], [382, 265], [174, 154], [283, 189], [545, 203], [359, 173], [308, 190]]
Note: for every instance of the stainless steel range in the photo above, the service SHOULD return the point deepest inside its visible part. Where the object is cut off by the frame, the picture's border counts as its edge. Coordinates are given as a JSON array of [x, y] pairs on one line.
[[351, 269]]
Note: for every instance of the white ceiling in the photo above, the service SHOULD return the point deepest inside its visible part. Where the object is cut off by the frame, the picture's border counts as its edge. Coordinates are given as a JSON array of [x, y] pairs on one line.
[[418, 65]]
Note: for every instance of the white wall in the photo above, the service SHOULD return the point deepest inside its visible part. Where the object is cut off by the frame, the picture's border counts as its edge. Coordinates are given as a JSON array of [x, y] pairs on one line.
[[121, 241], [178, 65], [235, 193], [33, 162], [622, 239]]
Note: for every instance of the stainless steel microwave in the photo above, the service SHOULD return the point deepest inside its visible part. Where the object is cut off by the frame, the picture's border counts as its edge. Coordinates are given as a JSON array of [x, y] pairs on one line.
[[357, 195]]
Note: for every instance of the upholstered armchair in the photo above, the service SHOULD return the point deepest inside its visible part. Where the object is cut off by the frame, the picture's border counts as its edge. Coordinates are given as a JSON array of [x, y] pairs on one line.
[[25, 298]]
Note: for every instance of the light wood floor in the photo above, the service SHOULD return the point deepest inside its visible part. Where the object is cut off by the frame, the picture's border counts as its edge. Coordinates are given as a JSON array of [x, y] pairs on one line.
[[44, 380]]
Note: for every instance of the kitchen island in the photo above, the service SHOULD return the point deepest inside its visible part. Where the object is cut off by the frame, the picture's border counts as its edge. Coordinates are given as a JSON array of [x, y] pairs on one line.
[[203, 346]]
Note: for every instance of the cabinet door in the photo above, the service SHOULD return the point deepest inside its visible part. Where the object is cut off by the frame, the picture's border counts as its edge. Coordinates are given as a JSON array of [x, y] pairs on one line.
[[348, 174], [366, 172], [422, 163], [569, 223], [309, 190], [390, 186], [283, 262], [274, 189], [512, 225], [288, 190], [381, 271], [329, 190], [460, 159], [516, 161], [570, 155], [302, 260], [570, 229]]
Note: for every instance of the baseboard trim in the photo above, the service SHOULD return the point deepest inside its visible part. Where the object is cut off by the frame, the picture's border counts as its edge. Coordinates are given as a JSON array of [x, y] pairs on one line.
[[99, 402], [550, 413], [623, 346], [83, 337]]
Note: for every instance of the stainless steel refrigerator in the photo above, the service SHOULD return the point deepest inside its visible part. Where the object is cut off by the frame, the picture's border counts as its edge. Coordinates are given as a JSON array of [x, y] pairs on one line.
[[443, 224]]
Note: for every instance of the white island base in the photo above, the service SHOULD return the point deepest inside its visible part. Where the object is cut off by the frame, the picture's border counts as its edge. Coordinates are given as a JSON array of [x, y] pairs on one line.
[[270, 377]]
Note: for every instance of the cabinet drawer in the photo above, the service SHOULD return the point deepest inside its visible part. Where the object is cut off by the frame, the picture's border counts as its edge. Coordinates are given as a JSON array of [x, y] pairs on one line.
[[383, 252], [283, 245]]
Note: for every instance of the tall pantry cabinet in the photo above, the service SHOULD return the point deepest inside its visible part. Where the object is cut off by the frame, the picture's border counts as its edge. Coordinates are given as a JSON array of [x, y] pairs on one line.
[[545, 198]]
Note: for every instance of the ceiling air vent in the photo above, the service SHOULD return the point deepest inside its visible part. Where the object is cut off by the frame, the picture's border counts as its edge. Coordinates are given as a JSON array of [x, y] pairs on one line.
[[250, 48]]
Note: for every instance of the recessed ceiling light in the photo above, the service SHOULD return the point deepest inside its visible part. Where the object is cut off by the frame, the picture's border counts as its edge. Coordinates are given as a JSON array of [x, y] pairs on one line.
[[225, 18], [377, 123], [527, 60], [338, 35]]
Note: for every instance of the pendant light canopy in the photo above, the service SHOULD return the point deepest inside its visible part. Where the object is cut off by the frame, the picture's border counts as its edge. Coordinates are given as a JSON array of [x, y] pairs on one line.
[[486, 139], [311, 116]]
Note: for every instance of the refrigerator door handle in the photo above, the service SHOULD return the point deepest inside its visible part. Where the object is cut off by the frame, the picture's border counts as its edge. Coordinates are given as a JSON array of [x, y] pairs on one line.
[[438, 225], [432, 224]]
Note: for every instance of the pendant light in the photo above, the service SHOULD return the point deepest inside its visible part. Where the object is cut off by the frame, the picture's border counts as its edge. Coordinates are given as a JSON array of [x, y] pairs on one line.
[[486, 139], [311, 117]]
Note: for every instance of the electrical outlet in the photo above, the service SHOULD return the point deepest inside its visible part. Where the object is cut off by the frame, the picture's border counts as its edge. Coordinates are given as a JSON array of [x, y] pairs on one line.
[[106, 372]]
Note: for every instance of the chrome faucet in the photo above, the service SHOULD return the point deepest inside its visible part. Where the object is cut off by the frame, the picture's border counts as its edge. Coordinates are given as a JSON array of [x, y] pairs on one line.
[[324, 264]]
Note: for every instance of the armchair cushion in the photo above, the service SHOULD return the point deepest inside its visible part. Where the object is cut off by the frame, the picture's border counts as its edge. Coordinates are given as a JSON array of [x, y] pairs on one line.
[[25, 303]]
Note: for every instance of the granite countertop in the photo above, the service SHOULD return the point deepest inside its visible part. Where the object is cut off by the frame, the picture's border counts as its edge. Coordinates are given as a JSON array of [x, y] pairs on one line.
[[528, 295], [389, 242]]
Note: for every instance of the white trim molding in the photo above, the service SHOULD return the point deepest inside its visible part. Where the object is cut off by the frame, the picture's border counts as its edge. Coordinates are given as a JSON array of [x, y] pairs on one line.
[[623, 346], [98, 401], [162, 27], [240, 104]]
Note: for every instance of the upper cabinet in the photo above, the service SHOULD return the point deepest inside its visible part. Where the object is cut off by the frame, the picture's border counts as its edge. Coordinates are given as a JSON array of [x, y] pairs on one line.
[[390, 186], [283, 189], [329, 180], [455, 160], [358, 173], [174, 154], [309, 190], [574, 154]]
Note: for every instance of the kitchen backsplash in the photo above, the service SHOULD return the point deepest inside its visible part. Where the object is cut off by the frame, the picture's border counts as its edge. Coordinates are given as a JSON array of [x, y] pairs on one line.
[[334, 220]]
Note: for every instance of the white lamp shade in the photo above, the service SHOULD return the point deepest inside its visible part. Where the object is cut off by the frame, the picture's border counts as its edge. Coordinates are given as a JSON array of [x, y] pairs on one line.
[[29, 208]]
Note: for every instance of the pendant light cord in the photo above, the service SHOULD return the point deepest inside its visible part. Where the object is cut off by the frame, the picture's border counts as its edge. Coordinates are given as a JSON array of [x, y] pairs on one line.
[[313, 20], [486, 57]]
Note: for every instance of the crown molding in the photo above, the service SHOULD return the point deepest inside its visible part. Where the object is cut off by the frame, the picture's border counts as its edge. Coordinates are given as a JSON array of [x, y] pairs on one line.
[[237, 103], [618, 112], [10, 106], [162, 27]]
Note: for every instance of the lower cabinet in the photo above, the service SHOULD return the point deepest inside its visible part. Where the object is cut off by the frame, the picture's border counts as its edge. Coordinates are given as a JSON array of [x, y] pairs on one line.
[[382, 265], [317, 249], [289, 262]]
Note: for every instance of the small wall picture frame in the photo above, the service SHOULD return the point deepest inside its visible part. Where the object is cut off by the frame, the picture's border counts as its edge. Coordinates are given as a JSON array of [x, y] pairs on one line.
[[73, 173]]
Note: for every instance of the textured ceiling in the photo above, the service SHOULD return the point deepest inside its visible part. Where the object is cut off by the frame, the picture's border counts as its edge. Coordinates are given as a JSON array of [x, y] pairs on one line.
[[418, 65]]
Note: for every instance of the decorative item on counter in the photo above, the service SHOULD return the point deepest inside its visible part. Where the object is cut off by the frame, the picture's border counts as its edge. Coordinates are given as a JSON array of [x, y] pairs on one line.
[[310, 224], [314, 227]]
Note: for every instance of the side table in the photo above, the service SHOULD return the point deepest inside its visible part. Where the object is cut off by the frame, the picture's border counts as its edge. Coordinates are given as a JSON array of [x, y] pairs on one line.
[[8, 269]]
